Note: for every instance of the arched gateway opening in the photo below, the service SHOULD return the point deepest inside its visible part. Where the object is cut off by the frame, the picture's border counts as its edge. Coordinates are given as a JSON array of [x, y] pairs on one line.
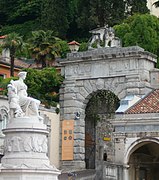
[[101, 105], [144, 161]]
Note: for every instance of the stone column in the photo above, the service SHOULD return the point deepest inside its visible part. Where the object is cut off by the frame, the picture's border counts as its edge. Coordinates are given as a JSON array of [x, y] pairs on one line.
[[126, 172], [137, 173]]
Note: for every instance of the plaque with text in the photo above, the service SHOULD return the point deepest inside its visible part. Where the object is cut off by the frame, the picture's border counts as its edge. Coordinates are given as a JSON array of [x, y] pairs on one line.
[[67, 139]]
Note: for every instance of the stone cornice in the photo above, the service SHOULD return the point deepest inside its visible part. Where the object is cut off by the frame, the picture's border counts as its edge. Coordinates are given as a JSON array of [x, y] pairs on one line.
[[135, 121], [109, 53]]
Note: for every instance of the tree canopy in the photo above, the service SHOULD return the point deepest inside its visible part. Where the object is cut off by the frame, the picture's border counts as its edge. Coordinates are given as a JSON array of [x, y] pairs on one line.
[[44, 47], [14, 43], [44, 85], [141, 30], [71, 19]]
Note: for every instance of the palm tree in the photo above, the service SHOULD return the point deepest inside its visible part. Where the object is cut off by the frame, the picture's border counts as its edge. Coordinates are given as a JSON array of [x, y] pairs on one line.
[[156, 4], [12, 42], [44, 47]]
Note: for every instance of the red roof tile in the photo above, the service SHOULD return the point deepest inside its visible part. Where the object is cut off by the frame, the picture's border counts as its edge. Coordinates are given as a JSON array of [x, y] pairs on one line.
[[149, 104], [3, 37], [27, 64], [73, 43], [17, 63], [20, 63]]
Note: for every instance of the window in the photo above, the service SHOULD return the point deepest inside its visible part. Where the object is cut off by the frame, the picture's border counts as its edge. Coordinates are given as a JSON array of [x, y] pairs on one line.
[[3, 76]]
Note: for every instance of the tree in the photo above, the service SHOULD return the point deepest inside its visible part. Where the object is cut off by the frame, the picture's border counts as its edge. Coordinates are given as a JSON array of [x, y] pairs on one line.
[[23, 29], [136, 6], [92, 14], [44, 47], [141, 30], [14, 43], [56, 15], [68, 18], [20, 11], [44, 85], [20, 16]]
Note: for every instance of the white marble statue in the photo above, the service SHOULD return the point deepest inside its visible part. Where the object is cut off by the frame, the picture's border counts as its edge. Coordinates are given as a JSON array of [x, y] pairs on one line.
[[108, 37], [15, 109], [104, 35], [28, 105]]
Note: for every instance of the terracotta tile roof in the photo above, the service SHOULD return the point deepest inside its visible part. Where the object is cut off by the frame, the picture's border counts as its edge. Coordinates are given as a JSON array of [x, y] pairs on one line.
[[27, 64], [149, 104], [74, 43], [3, 37], [18, 63]]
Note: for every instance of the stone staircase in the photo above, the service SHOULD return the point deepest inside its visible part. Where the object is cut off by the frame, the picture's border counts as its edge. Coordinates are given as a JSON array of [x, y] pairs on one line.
[[78, 175]]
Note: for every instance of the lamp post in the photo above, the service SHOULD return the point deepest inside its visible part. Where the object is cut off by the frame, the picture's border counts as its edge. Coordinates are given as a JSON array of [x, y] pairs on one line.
[[74, 46]]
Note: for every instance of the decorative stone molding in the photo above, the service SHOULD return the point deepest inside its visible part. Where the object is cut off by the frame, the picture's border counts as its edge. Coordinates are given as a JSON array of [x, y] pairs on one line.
[[32, 143]]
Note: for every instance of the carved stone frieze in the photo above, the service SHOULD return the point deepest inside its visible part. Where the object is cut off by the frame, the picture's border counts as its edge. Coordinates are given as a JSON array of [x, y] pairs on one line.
[[26, 144]]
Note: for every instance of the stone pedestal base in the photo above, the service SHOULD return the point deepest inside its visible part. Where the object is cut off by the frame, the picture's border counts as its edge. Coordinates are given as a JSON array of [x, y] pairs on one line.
[[26, 174], [25, 156]]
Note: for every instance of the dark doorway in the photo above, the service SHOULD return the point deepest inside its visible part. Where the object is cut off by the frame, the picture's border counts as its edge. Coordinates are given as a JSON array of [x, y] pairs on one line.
[[144, 162], [102, 103]]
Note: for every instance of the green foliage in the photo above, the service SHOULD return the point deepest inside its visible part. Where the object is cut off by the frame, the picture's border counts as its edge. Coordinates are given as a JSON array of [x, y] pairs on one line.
[[83, 46], [136, 6], [4, 83], [71, 19], [26, 10], [23, 29], [64, 48], [56, 15], [44, 47], [14, 43], [44, 85], [102, 103], [92, 14], [19, 16], [20, 11], [141, 30]]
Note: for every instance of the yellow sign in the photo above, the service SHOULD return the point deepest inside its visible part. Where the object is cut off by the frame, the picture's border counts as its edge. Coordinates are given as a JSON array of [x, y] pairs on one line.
[[106, 138], [67, 139]]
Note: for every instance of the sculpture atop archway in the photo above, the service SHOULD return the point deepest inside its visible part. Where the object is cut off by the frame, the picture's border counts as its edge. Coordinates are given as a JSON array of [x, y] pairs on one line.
[[104, 35]]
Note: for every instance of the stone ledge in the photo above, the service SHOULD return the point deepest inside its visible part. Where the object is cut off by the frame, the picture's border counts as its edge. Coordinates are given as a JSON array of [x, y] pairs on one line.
[[108, 53]]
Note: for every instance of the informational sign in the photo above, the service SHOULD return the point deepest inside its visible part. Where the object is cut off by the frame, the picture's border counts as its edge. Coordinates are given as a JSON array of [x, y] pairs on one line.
[[67, 139], [107, 139]]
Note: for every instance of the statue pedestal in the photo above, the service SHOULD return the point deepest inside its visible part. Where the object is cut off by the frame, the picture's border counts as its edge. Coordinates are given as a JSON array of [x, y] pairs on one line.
[[25, 149]]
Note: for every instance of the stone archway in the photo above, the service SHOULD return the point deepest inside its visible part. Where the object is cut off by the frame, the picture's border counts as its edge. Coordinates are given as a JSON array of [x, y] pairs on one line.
[[114, 69], [101, 106], [144, 160]]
